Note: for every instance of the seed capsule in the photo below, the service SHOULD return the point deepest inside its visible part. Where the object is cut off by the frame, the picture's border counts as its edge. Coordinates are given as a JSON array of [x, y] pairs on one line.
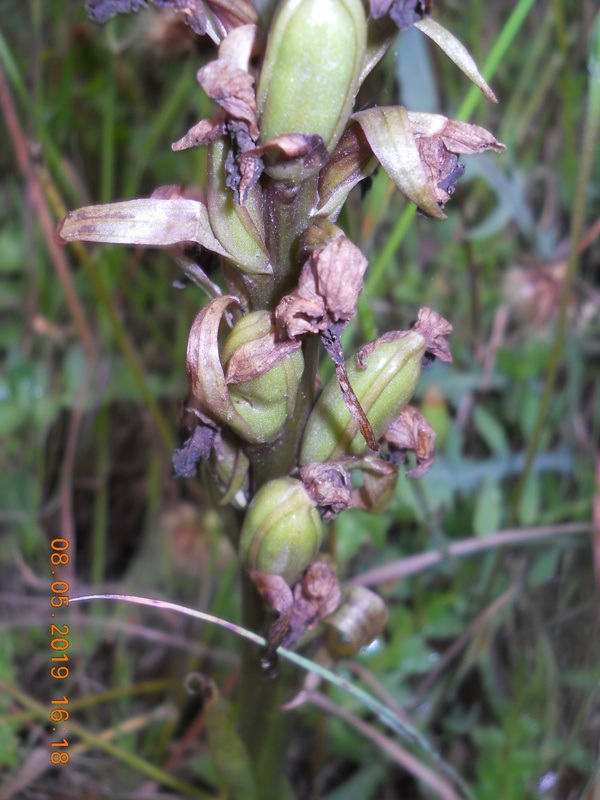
[[383, 388], [282, 530], [312, 67]]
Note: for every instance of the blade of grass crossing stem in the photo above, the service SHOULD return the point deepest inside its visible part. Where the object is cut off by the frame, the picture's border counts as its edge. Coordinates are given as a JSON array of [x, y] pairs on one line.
[[383, 713]]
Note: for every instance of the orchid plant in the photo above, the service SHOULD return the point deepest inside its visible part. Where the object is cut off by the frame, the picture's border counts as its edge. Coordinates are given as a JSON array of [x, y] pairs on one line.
[[285, 148]]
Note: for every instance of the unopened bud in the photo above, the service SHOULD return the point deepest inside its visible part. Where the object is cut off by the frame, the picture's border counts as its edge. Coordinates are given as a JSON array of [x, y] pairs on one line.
[[282, 530], [311, 70]]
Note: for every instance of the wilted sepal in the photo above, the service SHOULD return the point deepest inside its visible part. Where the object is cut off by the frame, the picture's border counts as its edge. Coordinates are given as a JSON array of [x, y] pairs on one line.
[[420, 151], [360, 619], [205, 372], [263, 373], [282, 530], [411, 433], [316, 596], [150, 223], [329, 285], [311, 70], [457, 52], [258, 394]]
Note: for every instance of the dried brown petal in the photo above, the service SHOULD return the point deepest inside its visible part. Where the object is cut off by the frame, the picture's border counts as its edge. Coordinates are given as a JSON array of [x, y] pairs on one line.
[[278, 596], [419, 151], [253, 359], [411, 433], [329, 486], [433, 327], [328, 289], [316, 596], [233, 89]]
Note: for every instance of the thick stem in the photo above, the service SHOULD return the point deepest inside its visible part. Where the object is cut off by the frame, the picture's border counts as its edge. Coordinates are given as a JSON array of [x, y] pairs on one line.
[[264, 727]]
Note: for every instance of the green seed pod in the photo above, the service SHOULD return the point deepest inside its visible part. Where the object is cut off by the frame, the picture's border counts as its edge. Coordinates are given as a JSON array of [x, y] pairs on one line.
[[355, 624], [267, 401], [383, 388], [282, 530], [311, 70]]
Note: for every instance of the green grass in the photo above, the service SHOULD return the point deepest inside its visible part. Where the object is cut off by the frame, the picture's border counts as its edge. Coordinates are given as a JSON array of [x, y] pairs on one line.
[[492, 653]]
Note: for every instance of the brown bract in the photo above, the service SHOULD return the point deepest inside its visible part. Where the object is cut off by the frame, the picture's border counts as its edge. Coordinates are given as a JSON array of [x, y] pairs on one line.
[[254, 358], [411, 433]]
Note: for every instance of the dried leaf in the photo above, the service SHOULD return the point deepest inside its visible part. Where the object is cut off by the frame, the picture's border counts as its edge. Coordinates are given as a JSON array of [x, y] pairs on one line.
[[278, 596], [411, 433]]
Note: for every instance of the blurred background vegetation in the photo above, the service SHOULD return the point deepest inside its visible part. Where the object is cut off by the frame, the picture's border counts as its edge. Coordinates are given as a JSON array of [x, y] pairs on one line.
[[493, 651]]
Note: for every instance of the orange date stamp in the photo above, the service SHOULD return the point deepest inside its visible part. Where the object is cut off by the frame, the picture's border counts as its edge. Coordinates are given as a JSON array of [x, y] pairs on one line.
[[59, 645]]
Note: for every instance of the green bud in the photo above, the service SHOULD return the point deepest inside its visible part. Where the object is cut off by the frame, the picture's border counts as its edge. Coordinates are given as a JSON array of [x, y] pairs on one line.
[[282, 530], [312, 68], [383, 388], [267, 401]]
